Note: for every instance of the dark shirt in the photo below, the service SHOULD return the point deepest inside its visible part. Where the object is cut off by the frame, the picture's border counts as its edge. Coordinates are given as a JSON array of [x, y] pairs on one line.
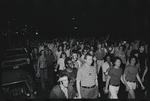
[[142, 58], [115, 75], [50, 59], [57, 93], [35, 58], [131, 72], [100, 55], [71, 75]]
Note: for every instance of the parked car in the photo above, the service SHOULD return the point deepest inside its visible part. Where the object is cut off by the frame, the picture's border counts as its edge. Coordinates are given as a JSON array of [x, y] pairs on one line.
[[17, 70]]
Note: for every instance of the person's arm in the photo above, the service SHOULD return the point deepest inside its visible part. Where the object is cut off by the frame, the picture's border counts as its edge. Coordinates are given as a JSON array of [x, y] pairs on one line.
[[145, 71], [77, 65], [38, 67], [138, 78], [95, 63], [56, 66], [78, 81], [124, 78], [78, 88], [107, 83]]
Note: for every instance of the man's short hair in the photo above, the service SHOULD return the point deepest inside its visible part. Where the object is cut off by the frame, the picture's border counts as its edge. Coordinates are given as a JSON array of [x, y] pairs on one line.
[[88, 54], [61, 75], [66, 60]]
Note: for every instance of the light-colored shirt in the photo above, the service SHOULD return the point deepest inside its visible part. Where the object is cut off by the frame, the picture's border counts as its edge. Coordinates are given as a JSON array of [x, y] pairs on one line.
[[58, 54], [105, 66], [68, 53], [61, 64], [87, 75]]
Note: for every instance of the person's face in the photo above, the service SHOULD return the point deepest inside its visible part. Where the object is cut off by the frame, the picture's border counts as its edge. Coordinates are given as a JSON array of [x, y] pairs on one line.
[[75, 56], [133, 61], [99, 45], [35, 51], [121, 48], [92, 48], [63, 56], [84, 52], [91, 52], [75, 46], [108, 58], [117, 63], [65, 82], [67, 47], [142, 48], [136, 54], [69, 64], [89, 60]]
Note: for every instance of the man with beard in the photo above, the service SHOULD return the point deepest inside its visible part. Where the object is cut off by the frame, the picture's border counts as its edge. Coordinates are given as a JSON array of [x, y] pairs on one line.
[[70, 72]]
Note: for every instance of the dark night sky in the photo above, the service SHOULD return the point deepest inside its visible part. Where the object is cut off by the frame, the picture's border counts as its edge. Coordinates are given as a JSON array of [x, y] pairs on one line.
[[93, 17]]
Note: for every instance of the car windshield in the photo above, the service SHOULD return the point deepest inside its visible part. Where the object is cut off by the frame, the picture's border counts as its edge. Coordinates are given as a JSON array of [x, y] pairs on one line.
[[15, 52]]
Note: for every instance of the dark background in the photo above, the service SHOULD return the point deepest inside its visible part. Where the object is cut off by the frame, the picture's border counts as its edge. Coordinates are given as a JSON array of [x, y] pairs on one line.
[[119, 18]]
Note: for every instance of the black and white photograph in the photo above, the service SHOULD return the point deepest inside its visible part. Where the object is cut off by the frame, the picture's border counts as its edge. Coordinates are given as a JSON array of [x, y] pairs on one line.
[[75, 49]]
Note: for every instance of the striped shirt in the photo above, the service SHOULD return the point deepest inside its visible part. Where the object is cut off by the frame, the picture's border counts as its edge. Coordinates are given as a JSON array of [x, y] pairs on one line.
[[87, 75]]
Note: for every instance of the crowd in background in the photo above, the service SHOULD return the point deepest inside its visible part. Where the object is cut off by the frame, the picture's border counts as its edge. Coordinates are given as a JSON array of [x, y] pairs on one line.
[[75, 64]]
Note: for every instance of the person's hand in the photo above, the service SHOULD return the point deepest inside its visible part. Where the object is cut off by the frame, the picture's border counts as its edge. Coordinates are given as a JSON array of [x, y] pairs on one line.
[[127, 88], [143, 87], [38, 75], [55, 70], [99, 95], [105, 90]]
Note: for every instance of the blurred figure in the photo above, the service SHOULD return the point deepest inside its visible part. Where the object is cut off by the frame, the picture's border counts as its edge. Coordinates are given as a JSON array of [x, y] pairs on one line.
[[74, 60], [58, 53], [70, 71], [50, 60], [100, 54], [113, 79], [61, 62], [41, 69], [87, 84], [130, 75], [63, 90], [106, 67]]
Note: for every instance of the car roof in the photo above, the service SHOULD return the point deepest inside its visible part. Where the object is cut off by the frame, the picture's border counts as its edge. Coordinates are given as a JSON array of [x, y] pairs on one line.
[[15, 48]]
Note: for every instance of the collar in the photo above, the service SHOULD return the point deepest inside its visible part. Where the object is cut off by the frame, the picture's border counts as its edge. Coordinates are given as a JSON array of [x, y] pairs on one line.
[[87, 65], [62, 87]]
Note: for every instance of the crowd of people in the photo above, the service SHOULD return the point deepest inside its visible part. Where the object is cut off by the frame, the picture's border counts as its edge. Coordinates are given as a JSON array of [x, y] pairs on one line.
[[72, 66]]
